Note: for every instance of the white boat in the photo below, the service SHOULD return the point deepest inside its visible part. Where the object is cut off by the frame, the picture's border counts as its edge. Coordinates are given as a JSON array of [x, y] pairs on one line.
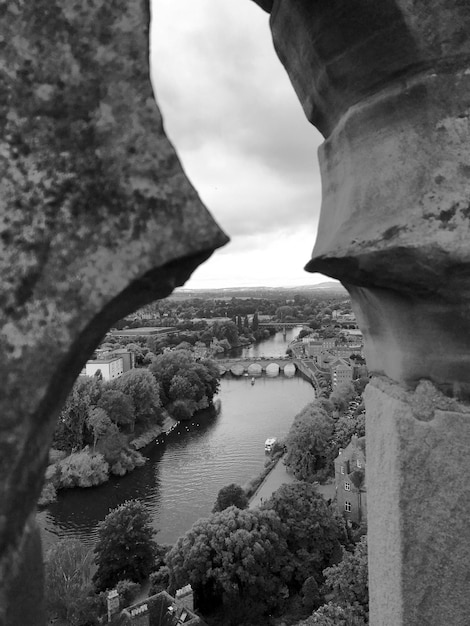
[[269, 444]]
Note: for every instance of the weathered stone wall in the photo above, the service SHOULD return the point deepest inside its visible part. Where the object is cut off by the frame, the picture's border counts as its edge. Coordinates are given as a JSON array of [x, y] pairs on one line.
[[388, 84], [96, 219]]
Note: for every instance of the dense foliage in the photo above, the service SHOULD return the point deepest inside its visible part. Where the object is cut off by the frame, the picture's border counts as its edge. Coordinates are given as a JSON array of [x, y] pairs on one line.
[[186, 385], [94, 406], [348, 580], [342, 395], [126, 548], [308, 443], [333, 615], [230, 495], [68, 583], [233, 556], [144, 392], [312, 530]]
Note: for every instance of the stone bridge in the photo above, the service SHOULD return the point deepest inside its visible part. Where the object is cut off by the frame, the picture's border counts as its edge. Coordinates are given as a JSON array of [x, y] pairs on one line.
[[272, 367], [257, 366]]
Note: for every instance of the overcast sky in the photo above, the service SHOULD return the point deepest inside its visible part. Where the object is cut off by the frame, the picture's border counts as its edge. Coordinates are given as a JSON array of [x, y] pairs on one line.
[[242, 137]]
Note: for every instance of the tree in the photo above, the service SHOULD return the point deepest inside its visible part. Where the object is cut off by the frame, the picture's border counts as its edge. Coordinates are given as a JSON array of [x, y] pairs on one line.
[[233, 556], [142, 388], [283, 312], [360, 384], [70, 431], [185, 385], [230, 495], [255, 322], [126, 548], [348, 580], [333, 615], [118, 407], [345, 428], [139, 352], [311, 529], [342, 395], [68, 584], [98, 422], [308, 444]]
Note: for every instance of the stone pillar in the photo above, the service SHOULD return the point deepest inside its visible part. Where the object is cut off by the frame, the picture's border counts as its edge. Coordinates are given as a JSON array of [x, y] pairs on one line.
[[418, 508], [97, 218], [388, 85]]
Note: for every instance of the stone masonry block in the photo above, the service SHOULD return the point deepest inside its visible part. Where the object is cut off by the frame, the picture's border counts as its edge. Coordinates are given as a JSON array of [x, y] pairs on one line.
[[418, 506]]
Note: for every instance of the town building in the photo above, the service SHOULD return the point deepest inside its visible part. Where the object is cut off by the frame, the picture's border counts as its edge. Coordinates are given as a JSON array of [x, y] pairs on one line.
[[160, 609], [110, 368], [111, 363], [128, 358], [345, 351], [313, 348], [329, 343], [341, 372], [350, 480]]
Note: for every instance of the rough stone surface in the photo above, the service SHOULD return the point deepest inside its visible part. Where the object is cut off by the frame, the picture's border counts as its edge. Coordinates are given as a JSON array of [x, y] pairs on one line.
[[418, 506], [388, 84], [267, 5], [96, 219]]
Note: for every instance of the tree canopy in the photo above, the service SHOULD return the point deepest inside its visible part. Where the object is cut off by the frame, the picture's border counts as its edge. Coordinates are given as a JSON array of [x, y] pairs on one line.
[[142, 388], [311, 528], [126, 548], [68, 586], [230, 495], [70, 430], [308, 443], [118, 407], [234, 555], [186, 385], [348, 580]]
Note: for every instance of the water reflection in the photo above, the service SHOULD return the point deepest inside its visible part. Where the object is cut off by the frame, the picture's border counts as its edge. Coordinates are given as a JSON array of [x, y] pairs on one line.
[[181, 479]]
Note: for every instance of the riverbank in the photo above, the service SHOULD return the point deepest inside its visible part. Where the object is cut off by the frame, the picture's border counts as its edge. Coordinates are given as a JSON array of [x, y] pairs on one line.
[[88, 468], [180, 481], [149, 436], [278, 476]]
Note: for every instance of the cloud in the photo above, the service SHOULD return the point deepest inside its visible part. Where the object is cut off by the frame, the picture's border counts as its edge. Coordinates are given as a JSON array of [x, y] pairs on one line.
[[239, 130], [275, 261]]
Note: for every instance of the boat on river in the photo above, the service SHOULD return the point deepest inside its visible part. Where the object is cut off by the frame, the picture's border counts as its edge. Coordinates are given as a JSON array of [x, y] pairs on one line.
[[269, 444]]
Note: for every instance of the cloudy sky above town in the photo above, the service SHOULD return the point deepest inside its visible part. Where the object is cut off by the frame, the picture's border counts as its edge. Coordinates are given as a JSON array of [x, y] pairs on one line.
[[242, 137]]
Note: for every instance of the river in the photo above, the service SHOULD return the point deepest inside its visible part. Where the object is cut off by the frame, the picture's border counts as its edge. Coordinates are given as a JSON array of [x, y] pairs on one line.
[[183, 475]]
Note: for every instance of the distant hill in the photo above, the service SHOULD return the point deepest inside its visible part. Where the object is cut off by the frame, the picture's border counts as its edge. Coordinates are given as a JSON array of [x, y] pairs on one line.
[[331, 286]]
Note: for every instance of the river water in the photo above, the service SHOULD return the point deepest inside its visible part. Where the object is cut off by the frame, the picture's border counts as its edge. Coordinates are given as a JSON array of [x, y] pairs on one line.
[[183, 475]]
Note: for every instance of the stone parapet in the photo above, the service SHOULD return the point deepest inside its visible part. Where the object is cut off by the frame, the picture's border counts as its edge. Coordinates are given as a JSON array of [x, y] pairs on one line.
[[418, 506], [97, 218]]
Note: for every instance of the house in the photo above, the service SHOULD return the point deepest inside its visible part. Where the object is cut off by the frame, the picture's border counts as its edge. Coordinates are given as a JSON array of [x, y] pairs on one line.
[[110, 367], [313, 348], [111, 363], [350, 480], [128, 358], [160, 609], [341, 372]]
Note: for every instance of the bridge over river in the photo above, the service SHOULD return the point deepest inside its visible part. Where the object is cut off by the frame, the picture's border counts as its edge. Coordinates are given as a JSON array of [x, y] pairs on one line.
[[271, 366], [256, 366]]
